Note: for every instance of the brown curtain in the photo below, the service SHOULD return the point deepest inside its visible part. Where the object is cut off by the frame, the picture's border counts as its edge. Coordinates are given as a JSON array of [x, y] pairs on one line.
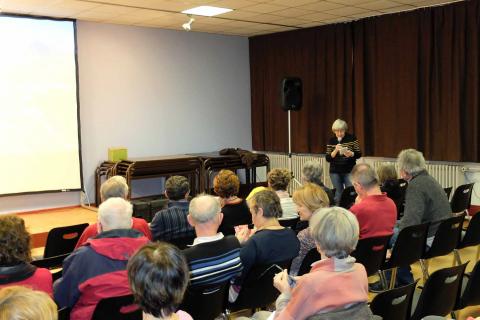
[[400, 81]]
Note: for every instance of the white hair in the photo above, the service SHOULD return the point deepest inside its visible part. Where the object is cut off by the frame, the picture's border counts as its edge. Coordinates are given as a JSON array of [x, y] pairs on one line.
[[411, 161], [312, 171], [115, 213], [204, 208], [339, 124]]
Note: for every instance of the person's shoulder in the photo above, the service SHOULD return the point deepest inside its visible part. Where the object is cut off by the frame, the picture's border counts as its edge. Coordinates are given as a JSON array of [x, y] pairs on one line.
[[42, 274], [139, 222]]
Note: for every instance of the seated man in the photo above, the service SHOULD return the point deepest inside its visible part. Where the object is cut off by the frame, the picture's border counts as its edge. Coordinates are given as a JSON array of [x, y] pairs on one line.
[[97, 270], [375, 211], [213, 258], [114, 187], [171, 223]]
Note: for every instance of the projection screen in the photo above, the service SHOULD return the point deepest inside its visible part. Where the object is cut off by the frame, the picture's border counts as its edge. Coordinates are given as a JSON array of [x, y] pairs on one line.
[[39, 115]]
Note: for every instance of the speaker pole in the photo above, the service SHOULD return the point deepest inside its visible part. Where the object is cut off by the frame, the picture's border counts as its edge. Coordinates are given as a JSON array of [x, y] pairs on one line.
[[290, 166]]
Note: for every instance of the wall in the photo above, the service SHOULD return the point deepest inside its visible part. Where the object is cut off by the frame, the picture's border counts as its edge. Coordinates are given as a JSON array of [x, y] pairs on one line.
[[156, 92]]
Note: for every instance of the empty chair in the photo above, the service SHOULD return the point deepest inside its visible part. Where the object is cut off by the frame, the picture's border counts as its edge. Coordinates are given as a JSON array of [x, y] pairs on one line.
[[348, 197], [62, 240], [117, 308], [196, 300], [408, 249], [461, 198], [371, 253], [448, 191], [471, 238], [289, 223], [446, 240], [312, 256], [394, 304], [471, 294], [440, 292]]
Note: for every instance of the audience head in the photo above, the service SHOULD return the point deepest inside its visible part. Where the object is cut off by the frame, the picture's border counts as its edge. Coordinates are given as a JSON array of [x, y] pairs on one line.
[[264, 205], [279, 179], [177, 188], [312, 171], [364, 178], [309, 198], [205, 209], [410, 162], [255, 191], [158, 276], [22, 303], [115, 213], [335, 231], [226, 184], [14, 241], [115, 187], [339, 127], [387, 172]]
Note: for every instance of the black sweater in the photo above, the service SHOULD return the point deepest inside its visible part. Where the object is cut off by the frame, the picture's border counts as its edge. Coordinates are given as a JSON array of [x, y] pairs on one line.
[[342, 164]]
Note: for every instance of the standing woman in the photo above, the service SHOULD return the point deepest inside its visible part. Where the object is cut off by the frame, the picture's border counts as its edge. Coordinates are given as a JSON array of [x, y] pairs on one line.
[[343, 151]]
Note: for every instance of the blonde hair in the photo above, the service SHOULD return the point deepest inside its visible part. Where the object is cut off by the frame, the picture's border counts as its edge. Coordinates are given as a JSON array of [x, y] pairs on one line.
[[311, 196], [22, 303], [387, 172]]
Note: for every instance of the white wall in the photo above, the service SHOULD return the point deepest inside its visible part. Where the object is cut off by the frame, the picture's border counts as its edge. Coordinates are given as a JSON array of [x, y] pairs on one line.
[[155, 92]]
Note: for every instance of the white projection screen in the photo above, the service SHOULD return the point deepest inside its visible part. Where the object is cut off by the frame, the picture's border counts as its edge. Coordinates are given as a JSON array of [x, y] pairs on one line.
[[39, 124]]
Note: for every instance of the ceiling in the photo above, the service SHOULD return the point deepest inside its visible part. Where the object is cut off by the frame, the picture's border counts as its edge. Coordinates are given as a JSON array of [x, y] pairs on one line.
[[249, 17]]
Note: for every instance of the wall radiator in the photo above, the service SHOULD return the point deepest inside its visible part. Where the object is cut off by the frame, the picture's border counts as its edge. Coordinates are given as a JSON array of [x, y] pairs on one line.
[[447, 174]]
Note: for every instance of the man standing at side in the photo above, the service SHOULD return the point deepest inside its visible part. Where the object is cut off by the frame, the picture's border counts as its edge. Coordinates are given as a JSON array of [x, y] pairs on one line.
[[213, 258], [375, 211], [171, 223]]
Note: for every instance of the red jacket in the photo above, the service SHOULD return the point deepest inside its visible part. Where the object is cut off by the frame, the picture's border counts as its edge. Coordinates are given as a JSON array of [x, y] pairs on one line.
[[28, 276]]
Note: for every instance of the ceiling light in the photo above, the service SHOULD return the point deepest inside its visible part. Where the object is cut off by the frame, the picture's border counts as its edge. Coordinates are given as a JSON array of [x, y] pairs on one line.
[[187, 26], [207, 11]]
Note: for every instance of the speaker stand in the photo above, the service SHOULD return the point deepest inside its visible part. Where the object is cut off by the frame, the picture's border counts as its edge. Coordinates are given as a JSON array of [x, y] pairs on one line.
[[290, 167]]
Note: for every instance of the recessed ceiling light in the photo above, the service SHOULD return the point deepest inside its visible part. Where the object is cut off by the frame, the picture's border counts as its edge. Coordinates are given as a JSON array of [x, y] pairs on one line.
[[207, 11]]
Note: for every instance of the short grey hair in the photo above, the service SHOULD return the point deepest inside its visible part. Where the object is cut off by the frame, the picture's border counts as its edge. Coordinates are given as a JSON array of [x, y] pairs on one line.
[[115, 187], [204, 208], [339, 124], [335, 230], [115, 213], [411, 161], [312, 171], [364, 175]]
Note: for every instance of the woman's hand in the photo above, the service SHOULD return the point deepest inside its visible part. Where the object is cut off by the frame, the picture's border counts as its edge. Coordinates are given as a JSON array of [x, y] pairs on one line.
[[280, 281], [242, 234], [348, 153]]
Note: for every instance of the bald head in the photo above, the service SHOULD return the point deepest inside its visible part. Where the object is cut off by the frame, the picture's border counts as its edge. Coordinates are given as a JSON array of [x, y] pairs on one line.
[[365, 175], [204, 208]]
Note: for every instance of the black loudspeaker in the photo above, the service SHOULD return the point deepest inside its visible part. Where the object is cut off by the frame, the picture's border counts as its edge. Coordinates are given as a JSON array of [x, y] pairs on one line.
[[291, 93]]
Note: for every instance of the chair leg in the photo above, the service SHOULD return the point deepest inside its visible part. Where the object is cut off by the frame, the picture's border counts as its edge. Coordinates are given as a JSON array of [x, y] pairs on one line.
[[383, 279], [456, 257], [424, 266], [393, 278]]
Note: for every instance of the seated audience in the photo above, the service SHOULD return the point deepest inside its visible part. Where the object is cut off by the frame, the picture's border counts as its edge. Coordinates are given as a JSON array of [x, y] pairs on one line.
[[389, 183], [171, 223], [312, 171], [278, 180], [21, 303], [213, 258], [158, 277], [271, 243], [114, 187], [97, 270], [235, 210], [376, 213], [308, 198], [335, 283], [15, 256]]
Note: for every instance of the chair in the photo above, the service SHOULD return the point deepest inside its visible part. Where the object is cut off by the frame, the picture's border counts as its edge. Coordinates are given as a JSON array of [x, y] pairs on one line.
[[461, 198], [394, 304], [440, 292], [471, 293], [50, 263], [257, 288], [471, 238], [289, 223], [371, 253], [446, 240], [62, 240], [448, 191], [347, 199], [196, 300], [311, 256], [112, 309], [64, 313], [408, 248]]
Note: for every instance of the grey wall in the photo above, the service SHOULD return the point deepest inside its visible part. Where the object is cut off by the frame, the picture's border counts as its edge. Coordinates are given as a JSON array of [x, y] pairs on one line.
[[155, 92]]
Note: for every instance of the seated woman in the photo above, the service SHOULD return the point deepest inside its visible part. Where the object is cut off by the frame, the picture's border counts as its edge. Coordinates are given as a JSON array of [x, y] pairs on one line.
[[389, 183], [278, 180], [235, 210], [15, 256], [158, 276], [312, 171], [271, 243], [308, 198], [18, 302], [336, 283]]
